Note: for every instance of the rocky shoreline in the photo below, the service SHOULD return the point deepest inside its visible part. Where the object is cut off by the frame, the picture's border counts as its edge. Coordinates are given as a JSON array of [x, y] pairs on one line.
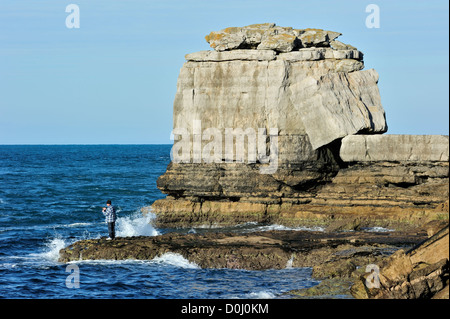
[[252, 251], [337, 258]]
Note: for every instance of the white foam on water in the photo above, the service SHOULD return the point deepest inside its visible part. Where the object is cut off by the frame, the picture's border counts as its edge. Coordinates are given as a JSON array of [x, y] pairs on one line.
[[282, 227], [209, 226], [377, 229], [290, 262], [77, 224], [110, 262], [260, 295], [176, 260], [136, 225], [52, 248]]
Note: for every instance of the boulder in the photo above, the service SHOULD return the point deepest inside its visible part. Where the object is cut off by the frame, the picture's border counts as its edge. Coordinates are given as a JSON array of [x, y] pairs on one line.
[[338, 45], [346, 224], [226, 39], [317, 37], [280, 42]]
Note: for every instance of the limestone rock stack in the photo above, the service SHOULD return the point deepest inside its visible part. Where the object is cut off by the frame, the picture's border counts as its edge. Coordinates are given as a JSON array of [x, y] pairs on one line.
[[290, 98], [264, 76]]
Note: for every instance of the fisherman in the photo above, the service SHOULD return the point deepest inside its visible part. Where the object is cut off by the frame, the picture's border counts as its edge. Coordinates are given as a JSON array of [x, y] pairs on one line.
[[110, 217]]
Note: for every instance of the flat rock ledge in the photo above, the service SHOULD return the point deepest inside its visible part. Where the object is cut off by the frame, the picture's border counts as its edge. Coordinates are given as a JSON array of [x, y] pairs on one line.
[[408, 264], [308, 54], [252, 251]]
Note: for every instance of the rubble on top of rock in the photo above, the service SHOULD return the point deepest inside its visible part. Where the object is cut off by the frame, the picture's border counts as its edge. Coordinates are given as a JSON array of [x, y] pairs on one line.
[[269, 36]]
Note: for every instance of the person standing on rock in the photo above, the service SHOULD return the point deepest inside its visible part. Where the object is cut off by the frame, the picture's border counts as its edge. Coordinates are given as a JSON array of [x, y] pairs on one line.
[[110, 217]]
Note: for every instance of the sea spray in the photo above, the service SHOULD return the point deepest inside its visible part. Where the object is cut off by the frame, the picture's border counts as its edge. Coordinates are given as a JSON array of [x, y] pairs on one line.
[[52, 248], [176, 260], [282, 227], [136, 225], [260, 295], [290, 262]]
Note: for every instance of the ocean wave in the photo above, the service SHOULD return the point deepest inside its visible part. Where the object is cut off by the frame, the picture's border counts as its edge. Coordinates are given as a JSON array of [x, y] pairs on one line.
[[109, 262], [249, 227], [377, 229], [136, 225], [52, 248], [176, 260], [282, 227], [170, 259], [76, 225], [260, 295]]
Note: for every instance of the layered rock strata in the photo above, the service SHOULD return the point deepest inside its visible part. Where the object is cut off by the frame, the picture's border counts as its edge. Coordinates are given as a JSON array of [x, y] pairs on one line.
[[410, 189], [282, 125]]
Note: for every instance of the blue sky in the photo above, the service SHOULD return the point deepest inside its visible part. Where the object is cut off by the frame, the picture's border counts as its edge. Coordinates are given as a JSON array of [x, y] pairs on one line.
[[113, 80]]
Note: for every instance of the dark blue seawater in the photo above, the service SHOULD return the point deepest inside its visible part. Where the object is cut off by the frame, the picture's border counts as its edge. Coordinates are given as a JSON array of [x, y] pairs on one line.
[[51, 196]]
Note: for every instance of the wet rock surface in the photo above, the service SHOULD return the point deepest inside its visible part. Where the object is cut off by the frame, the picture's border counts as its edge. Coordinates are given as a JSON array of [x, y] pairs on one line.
[[255, 250], [421, 272], [410, 264]]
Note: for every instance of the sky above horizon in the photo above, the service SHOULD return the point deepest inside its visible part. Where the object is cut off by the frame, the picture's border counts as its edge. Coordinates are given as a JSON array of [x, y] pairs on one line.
[[113, 80]]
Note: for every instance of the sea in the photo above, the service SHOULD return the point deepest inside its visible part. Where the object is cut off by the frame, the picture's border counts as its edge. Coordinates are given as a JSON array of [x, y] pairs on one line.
[[52, 196]]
